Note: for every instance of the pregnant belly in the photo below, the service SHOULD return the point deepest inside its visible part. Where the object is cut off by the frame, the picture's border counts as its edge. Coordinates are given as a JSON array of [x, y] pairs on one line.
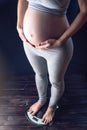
[[40, 26]]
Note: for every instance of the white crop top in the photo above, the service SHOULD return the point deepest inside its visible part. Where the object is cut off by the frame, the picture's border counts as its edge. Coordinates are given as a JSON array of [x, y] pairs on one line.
[[57, 7]]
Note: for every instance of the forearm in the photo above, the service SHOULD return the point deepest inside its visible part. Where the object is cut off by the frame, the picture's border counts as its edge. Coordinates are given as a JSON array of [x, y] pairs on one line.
[[74, 27], [21, 9]]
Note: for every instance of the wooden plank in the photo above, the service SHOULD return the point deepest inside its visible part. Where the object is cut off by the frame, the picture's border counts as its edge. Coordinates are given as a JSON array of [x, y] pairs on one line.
[[13, 111], [21, 128], [18, 92], [17, 82], [16, 100], [75, 85], [16, 86], [13, 120], [40, 128]]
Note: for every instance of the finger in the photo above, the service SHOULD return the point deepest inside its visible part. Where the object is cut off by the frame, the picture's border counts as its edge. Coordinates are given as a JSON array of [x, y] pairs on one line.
[[45, 42], [23, 37], [45, 46], [30, 44], [48, 41]]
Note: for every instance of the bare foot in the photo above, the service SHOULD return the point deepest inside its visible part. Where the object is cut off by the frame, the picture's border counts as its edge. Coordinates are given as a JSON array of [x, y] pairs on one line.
[[36, 107], [48, 116]]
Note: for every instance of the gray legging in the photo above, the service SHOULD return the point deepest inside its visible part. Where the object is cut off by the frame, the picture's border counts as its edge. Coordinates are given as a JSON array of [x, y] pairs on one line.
[[53, 62]]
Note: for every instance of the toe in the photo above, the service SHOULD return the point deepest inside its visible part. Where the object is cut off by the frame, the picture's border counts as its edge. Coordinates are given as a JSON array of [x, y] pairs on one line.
[[44, 120], [31, 111]]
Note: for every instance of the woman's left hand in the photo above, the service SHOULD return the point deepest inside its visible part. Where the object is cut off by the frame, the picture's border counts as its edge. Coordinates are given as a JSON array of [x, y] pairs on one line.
[[50, 43]]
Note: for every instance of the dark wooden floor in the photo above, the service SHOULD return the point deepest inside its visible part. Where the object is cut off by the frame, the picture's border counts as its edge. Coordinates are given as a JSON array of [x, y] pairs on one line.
[[17, 92]]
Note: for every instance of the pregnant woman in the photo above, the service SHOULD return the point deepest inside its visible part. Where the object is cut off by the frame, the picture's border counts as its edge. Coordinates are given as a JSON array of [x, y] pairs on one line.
[[46, 34]]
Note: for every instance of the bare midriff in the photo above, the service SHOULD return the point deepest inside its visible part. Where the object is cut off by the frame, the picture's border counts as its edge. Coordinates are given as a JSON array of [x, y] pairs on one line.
[[39, 26]]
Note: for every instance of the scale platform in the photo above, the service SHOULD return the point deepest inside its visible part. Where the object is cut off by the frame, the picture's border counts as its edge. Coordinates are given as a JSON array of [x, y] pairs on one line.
[[37, 119]]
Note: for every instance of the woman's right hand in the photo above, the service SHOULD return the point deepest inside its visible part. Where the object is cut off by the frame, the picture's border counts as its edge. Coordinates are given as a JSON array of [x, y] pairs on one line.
[[21, 34]]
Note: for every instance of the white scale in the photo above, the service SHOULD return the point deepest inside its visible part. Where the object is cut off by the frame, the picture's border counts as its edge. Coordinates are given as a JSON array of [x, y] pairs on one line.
[[35, 119]]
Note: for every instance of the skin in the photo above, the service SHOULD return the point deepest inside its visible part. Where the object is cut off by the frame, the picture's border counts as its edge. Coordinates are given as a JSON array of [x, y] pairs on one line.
[[44, 37]]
